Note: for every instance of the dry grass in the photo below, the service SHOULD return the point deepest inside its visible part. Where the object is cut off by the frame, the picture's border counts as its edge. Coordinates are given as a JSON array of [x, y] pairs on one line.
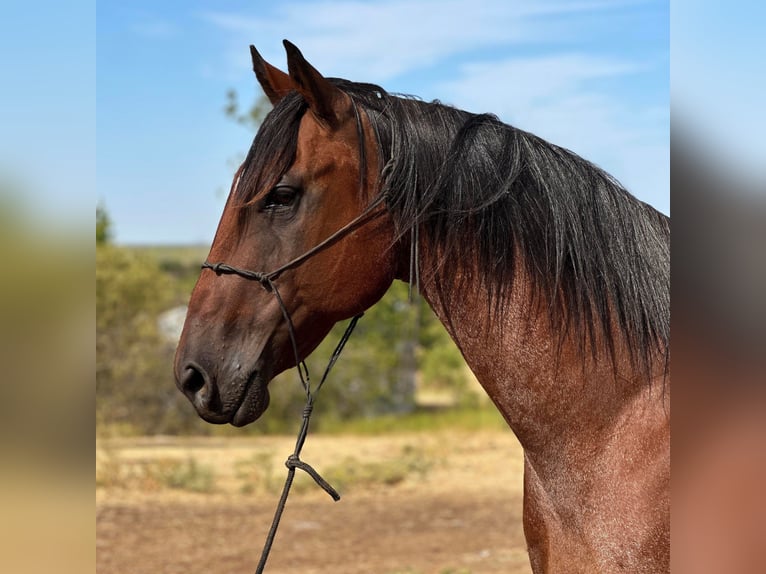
[[419, 503]]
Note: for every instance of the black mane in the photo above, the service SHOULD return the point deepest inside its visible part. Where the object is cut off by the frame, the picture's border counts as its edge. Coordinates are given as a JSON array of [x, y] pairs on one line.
[[483, 192]]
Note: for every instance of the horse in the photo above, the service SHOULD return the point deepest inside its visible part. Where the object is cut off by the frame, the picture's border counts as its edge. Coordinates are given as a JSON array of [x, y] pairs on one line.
[[551, 278]]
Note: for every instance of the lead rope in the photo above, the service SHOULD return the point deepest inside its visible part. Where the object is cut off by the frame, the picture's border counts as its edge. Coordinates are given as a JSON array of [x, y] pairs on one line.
[[294, 461]]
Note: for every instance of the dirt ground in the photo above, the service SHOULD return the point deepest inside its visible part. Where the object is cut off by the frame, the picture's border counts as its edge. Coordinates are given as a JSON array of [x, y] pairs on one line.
[[415, 503]]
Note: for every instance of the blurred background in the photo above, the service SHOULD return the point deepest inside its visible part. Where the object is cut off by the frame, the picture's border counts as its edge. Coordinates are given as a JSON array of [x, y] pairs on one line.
[[718, 286]]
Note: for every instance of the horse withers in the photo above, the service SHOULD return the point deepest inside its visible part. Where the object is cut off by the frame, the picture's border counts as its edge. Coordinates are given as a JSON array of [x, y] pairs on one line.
[[551, 278]]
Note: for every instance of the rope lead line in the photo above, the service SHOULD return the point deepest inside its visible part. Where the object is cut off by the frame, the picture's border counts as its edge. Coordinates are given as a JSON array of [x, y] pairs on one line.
[[294, 461]]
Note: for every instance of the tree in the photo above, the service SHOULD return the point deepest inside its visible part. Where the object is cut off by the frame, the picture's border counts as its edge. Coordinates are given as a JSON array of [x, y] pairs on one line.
[[251, 118], [103, 226], [134, 388]]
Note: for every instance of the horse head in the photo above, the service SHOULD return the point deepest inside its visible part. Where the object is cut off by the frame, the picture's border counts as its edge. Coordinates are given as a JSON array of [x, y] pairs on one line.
[[302, 216]]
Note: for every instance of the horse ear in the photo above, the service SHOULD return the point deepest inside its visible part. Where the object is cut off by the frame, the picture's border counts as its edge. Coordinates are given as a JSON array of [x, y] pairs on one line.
[[275, 83], [328, 103]]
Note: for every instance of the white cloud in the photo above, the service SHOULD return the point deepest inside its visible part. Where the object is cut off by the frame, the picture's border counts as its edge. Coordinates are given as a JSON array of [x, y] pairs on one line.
[[554, 97], [154, 28], [518, 84], [549, 95], [397, 36]]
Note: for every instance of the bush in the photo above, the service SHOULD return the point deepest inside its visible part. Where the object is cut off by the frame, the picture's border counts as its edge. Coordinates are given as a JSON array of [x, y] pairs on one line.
[[153, 475], [134, 384]]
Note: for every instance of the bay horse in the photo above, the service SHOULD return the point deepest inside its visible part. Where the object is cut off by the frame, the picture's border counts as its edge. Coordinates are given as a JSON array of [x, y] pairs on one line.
[[550, 277]]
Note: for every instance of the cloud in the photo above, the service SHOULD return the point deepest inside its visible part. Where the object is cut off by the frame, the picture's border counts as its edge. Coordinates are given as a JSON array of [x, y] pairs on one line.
[[394, 37], [552, 95], [559, 98], [156, 29]]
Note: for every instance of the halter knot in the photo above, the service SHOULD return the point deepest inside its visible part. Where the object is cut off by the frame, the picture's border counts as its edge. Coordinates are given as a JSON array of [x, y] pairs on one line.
[[265, 280]]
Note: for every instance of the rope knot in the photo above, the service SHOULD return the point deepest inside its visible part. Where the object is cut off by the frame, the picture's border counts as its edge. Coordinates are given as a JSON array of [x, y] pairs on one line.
[[265, 280], [293, 461]]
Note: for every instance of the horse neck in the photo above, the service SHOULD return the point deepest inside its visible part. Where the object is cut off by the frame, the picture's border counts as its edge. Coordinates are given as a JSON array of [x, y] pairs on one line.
[[549, 391]]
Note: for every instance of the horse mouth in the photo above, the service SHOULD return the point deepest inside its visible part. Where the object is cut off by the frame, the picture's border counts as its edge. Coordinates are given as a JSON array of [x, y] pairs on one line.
[[254, 401], [232, 399]]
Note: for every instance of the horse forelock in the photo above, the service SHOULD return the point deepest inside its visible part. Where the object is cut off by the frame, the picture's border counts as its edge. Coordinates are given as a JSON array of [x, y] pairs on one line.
[[272, 151]]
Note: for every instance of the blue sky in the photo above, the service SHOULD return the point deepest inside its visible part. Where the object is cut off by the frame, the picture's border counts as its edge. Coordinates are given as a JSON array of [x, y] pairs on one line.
[[719, 84], [47, 101], [592, 76]]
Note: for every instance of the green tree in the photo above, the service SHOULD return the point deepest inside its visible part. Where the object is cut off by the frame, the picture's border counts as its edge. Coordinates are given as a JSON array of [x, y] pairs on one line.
[[103, 226], [250, 118], [134, 388]]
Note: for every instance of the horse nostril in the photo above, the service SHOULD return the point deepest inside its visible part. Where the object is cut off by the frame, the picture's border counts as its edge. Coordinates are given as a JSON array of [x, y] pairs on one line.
[[200, 388], [193, 380]]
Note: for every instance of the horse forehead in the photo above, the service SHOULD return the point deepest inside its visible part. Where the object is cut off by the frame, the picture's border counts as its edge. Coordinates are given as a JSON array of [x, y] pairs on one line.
[[323, 151]]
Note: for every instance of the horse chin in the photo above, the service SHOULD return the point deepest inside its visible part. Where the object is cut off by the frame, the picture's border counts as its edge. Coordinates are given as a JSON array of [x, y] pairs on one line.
[[254, 403]]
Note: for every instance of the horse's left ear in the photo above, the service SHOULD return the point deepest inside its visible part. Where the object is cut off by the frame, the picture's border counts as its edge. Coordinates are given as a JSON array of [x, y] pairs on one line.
[[275, 83], [328, 103]]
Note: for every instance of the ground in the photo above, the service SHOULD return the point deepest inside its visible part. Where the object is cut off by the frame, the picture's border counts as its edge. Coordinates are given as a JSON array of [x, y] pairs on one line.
[[414, 503]]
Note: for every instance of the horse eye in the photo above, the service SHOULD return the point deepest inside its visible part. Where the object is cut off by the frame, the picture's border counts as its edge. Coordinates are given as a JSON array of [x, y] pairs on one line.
[[280, 197]]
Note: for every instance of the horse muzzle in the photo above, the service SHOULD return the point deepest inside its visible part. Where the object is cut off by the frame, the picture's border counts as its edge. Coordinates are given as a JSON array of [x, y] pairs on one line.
[[234, 399]]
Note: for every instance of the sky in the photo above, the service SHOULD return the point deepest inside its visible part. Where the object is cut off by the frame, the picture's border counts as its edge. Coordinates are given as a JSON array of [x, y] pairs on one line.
[[719, 84], [47, 119], [592, 76]]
